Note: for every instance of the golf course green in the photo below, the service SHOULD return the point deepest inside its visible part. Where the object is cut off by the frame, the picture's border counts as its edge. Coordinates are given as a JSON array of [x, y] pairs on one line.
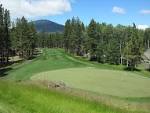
[[110, 82]]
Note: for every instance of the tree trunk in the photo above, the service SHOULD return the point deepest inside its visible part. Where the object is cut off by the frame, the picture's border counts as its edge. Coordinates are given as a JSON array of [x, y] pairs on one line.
[[148, 44], [120, 53], [127, 63], [121, 60]]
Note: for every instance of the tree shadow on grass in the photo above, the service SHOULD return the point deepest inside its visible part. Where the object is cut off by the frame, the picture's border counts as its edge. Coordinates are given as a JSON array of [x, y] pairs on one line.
[[147, 70], [3, 65], [33, 57], [6, 67], [130, 69], [3, 71]]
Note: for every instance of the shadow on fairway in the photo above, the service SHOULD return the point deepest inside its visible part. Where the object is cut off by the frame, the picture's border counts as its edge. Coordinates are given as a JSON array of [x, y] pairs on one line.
[[4, 68], [129, 69], [147, 70], [10, 63], [3, 71]]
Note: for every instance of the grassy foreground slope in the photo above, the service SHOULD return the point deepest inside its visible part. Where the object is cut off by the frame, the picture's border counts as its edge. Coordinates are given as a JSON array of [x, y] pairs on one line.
[[21, 98]]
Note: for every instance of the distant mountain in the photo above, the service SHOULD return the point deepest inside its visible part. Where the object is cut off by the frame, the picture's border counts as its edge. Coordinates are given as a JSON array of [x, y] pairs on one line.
[[48, 26]]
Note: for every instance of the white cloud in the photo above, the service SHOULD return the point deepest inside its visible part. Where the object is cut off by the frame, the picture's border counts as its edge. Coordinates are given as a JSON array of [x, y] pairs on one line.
[[118, 10], [36, 8], [143, 27], [145, 11]]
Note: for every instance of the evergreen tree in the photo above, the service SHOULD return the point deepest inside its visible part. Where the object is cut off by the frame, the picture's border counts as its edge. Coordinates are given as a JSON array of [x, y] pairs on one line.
[[7, 43], [4, 35], [147, 38], [23, 38], [67, 33], [134, 49], [92, 41], [1, 32]]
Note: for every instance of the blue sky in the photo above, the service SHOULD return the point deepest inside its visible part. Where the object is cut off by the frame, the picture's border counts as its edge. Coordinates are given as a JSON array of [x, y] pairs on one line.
[[110, 11], [101, 11]]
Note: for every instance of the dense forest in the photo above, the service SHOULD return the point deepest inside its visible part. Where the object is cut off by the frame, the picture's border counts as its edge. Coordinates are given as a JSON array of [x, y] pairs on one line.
[[50, 40], [105, 43], [16, 39], [4, 35], [23, 38], [99, 42]]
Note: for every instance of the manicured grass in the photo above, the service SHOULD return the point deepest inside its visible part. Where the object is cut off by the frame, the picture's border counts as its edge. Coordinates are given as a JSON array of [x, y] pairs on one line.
[[21, 98], [110, 82], [140, 69], [106, 79], [51, 59], [54, 59]]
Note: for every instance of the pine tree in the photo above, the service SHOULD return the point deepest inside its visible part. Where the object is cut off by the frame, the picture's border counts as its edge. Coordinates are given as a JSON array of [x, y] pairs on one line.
[[67, 33], [92, 33], [23, 38], [7, 43], [1, 33], [134, 49], [4, 35], [147, 38]]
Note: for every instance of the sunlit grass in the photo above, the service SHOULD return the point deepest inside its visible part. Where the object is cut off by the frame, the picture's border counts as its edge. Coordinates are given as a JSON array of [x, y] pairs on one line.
[[18, 98]]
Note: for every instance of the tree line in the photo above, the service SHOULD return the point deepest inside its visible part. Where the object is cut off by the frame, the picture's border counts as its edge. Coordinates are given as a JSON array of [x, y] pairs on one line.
[[17, 38], [23, 38], [106, 43], [4, 35], [20, 38], [49, 40]]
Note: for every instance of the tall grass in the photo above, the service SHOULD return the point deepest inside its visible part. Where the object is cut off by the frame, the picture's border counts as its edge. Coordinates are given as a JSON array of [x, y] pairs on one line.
[[21, 98]]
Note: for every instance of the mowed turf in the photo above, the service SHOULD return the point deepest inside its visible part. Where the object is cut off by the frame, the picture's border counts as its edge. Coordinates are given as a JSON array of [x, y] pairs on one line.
[[54, 64], [116, 83], [21, 98], [50, 59]]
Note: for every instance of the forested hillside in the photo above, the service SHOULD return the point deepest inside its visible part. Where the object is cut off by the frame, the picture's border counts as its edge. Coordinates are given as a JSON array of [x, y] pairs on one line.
[[48, 26]]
